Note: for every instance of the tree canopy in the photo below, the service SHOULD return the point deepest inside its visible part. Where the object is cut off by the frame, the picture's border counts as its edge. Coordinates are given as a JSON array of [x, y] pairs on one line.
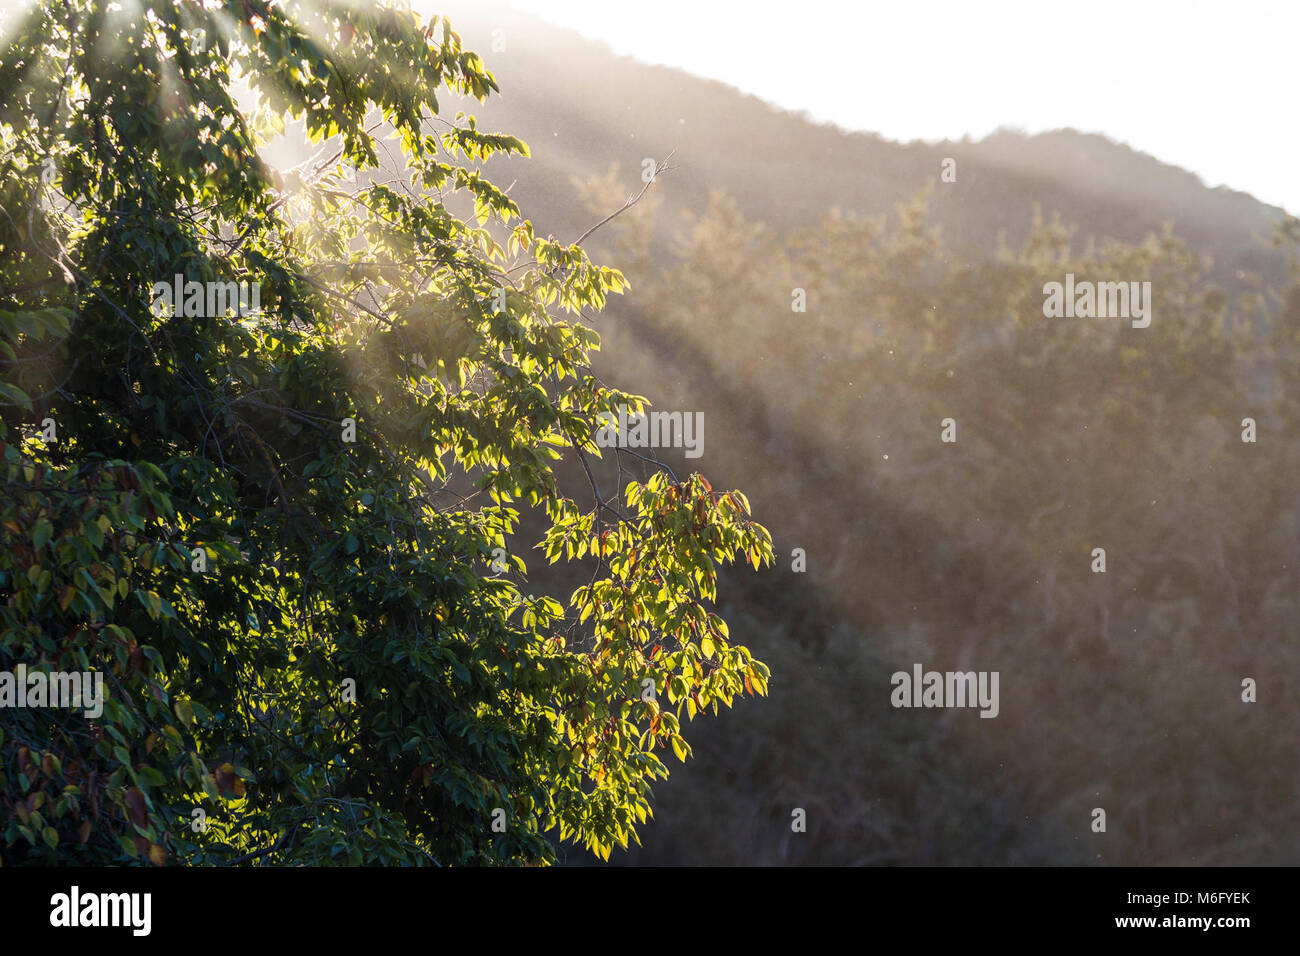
[[294, 539]]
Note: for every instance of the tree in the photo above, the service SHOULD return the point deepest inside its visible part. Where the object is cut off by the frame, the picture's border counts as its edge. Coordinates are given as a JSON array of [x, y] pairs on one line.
[[282, 535]]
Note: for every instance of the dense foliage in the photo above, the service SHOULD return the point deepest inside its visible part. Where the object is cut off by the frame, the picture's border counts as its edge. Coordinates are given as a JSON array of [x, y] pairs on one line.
[[283, 535]]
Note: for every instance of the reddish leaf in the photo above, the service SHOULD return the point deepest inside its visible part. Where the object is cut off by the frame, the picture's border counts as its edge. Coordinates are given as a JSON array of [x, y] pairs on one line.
[[138, 813]]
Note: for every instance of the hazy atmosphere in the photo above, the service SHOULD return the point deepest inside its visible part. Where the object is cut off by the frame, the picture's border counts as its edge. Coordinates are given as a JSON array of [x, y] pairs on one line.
[[597, 435]]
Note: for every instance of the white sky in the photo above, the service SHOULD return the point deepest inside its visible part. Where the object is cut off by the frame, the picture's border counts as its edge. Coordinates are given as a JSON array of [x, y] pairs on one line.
[[1209, 86]]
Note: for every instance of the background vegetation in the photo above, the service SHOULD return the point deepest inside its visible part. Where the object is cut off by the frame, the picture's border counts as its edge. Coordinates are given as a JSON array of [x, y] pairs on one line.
[[1120, 691]]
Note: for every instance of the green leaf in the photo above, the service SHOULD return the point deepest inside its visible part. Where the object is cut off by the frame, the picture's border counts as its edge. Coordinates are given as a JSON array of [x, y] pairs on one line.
[[152, 603], [41, 533], [15, 396]]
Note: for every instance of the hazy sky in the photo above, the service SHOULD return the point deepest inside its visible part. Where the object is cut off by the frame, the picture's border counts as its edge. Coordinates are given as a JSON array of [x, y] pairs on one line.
[[1211, 87]]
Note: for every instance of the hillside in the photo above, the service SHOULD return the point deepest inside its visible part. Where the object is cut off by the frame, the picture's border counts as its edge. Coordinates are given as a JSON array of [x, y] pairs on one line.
[[582, 109], [825, 420]]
